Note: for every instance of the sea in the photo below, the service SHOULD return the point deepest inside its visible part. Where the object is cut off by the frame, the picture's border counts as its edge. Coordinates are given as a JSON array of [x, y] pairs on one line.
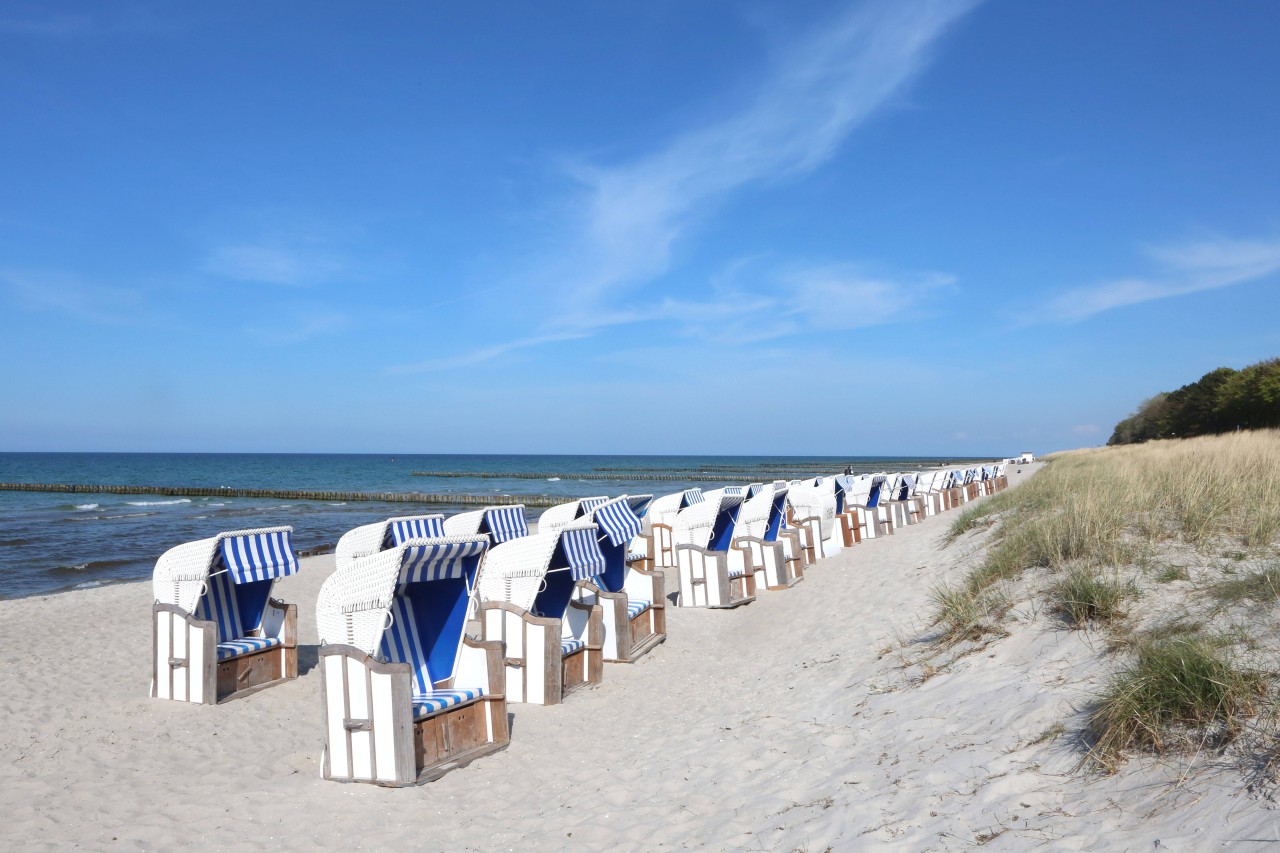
[[56, 541]]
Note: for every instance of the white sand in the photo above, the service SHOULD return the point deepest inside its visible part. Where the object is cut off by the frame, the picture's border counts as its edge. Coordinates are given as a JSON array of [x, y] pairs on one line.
[[776, 726]]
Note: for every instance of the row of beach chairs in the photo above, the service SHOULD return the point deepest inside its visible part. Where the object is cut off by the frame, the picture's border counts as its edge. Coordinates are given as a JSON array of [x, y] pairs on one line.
[[430, 625]]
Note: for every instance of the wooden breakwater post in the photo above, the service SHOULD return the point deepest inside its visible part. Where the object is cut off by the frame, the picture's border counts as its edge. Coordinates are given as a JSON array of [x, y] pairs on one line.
[[286, 494], [522, 475]]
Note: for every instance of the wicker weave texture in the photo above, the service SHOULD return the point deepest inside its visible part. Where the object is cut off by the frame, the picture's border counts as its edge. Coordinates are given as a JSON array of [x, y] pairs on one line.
[[181, 572]]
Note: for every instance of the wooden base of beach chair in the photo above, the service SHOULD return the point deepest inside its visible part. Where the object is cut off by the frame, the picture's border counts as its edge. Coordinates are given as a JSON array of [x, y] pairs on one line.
[[370, 731], [767, 562], [705, 581], [536, 670], [627, 638], [184, 657], [850, 529], [796, 563]]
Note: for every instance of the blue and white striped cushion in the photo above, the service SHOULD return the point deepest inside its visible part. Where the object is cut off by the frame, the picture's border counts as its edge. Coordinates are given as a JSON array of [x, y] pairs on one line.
[[737, 573], [569, 645], [636, 555], [438, 700], [635, 608], [246, 645]]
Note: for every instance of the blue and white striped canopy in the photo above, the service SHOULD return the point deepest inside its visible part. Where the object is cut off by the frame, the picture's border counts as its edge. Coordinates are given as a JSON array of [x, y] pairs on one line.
[[505, 523], [440, 561], [639, 504], [690, 497], [259, 556], [401, 530], [586, 505], [733, 490], [618, 522], [579, 549]]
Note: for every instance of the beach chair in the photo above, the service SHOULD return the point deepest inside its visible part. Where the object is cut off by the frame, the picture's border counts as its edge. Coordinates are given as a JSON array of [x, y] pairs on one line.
[[631, 599], [703, 533], [384, 535], [813, 513], [500, 523], [562, 515], [217, 633], [660, 545], [554, 644], [900, 501], [406, 695], [929, 490], [864, 501], [1002, 477], [776, 561]]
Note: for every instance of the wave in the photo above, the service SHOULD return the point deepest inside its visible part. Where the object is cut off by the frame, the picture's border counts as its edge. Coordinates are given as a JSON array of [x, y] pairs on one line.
[[158, 503], [83, 507], [6, 542], [89, 567], [553, 479]]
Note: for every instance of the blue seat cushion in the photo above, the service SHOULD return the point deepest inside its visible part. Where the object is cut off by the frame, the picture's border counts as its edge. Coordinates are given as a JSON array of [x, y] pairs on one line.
[[438, 700], [636, 556], [245, 646], [568, 646], [635, 608], [737, 573]]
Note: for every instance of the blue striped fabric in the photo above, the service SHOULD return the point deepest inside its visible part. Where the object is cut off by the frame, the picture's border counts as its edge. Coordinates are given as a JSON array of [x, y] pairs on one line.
[[505, 523], [618, 522], [636, 606], [582, 553], [236, 648], [219, 605], [636, 555], [401, 644], [438, 700], [733, 490], [587, 505], [259, 556], [737, 573], [690, 497], [422, 563], [401, 530], [568, 646], [639, 504]]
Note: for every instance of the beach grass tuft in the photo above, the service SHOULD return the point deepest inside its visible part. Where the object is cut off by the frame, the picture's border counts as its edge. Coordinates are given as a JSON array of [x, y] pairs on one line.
[[1084, 596], [1179, 691]]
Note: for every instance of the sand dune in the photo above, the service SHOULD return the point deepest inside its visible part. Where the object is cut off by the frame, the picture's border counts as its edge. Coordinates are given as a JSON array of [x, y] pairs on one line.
[[799, 722]]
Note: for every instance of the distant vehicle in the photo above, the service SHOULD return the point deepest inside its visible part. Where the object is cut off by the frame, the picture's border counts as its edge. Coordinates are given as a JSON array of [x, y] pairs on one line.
[[1026, 456]]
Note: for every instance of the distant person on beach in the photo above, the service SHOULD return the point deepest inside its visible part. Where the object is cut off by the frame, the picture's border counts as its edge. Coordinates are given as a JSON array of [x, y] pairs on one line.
[[848, 469]]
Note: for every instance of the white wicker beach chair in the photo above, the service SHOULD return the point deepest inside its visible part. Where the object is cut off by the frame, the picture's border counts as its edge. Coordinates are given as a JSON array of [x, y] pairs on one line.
[[500, 523], [659, 522], [864, 502], [217, 632], [631, 599], [761, 546], [554, 644], [703, 533], [562, 515], [813, 513], [407, 695], [384, 535]]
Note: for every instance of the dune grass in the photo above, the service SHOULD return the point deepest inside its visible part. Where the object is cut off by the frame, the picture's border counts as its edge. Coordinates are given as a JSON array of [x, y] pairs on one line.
[[1179, 691], [1260, 587], [1083, 596]]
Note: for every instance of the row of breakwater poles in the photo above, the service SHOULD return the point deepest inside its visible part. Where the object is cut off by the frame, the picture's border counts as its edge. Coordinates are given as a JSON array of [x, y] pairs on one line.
[[288, 494]]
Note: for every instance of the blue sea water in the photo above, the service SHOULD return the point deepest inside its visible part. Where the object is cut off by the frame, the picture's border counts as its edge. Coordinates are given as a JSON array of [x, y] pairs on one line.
[[53, 541]]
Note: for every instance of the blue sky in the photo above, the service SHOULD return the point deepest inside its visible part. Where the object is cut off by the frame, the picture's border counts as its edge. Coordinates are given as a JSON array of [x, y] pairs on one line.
[[663, 227]]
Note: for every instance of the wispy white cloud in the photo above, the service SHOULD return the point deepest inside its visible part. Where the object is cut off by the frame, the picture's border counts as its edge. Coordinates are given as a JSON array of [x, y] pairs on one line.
[[483, 354], [273, 264], [297, 326], [621, 224], [72, 295], [1188, 267], [823, 87]]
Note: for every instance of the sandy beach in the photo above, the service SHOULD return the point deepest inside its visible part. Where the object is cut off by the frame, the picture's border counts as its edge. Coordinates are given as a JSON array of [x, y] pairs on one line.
[[815, 718]]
